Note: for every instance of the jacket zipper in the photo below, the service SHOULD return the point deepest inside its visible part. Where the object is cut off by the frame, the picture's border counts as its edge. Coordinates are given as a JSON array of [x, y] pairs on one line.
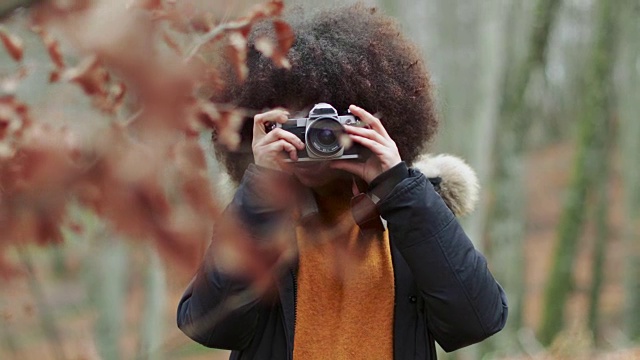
[[295, 307], [395, 293], [295, 317]]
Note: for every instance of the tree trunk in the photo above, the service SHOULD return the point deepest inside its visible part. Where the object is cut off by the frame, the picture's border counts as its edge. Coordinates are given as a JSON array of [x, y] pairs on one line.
[[492, 30], [629, 93], [107, 285], [593, 122], [602, 165], [506, 219]]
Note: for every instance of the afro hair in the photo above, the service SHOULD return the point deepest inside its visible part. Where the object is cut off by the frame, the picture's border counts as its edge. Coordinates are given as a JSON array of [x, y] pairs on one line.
[[341, 56]]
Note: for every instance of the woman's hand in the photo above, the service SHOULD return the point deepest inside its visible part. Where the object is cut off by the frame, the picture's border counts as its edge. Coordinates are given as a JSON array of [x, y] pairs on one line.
[[385, 153], [270, 147]]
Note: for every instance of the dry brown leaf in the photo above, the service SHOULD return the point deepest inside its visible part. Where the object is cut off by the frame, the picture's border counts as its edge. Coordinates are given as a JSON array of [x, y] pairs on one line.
[[36, 181], [53, 49], [145, 4], [202, 23], [125, 186], [173, 45], [226, 122], [191, 164], [145, 177], [207, 113], [151, 4], [13, 119], [266, 10], [238, 54], [90, 75], [8, 271], [277, 51], [54, 76], [12, 44], [228, 128], [44, 161], [285, 37], [118, 92]]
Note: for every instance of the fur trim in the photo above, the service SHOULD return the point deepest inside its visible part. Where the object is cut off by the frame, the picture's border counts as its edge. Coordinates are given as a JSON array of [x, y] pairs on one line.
[[459, 187]]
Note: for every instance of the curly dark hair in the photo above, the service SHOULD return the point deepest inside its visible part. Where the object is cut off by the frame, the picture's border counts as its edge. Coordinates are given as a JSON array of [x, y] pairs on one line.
[[341, 56]]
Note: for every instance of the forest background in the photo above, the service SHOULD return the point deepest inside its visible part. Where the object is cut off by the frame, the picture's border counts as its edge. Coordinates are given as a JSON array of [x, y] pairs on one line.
[[540, 97]]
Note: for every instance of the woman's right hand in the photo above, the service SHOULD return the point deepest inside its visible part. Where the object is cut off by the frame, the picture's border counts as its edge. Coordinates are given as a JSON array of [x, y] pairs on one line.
[[270, 148]]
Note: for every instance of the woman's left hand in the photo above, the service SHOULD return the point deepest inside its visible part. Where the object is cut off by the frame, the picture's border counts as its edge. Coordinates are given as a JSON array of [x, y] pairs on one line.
[[384, 155]]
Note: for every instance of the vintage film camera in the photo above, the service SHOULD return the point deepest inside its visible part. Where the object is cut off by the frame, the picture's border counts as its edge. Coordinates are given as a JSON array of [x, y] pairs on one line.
[[322, 134]]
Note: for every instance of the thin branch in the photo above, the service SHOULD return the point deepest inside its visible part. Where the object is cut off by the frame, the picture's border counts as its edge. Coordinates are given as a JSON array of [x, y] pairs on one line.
[[215, 34]]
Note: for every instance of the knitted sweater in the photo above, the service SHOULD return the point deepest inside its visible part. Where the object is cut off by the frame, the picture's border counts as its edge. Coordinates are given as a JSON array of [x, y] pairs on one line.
[[345, 292]]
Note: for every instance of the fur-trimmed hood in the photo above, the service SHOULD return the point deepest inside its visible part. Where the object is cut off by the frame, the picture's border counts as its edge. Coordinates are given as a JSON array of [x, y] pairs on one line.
[[452, 177]]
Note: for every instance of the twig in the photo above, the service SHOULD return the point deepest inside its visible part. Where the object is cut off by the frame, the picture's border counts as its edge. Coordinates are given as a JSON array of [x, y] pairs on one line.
[[215, 34]]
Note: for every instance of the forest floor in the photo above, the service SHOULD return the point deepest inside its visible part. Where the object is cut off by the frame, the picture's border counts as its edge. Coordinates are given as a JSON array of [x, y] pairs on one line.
[[548, 177], [21, 316]]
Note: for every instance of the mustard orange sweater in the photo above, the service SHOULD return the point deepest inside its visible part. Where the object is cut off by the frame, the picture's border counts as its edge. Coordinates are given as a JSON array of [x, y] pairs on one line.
[[345, 297]]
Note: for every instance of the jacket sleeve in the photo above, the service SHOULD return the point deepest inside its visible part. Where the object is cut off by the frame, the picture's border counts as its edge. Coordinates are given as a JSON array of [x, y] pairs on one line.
[[217, 309], [464, 303]]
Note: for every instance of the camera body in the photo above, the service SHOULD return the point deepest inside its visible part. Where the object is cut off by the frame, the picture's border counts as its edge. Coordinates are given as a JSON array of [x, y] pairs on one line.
[[323, 134]]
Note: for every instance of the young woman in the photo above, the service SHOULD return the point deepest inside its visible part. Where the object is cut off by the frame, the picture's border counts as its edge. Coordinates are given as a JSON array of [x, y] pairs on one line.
[[383, 281]]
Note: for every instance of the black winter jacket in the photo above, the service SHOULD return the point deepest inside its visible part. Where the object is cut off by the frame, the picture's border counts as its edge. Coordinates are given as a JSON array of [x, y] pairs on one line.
[[444, 291]]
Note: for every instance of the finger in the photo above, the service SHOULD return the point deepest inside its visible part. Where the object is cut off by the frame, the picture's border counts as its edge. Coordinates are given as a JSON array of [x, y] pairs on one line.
[[283, 146], [374, 146], [259, 121], [274, 115], [369, 119], [388, 156], [279, 134], [280, 146], [367, 133]]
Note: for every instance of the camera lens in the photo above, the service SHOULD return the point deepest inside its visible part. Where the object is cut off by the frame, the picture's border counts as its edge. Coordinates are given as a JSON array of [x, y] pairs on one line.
[[323, 137], [326, 137]]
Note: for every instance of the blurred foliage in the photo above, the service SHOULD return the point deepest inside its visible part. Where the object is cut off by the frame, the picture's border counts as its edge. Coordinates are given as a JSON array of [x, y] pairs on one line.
[[523, 90]]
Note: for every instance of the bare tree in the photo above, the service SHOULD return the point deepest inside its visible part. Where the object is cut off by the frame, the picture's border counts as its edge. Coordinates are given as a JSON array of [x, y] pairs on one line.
[[506, 219], [628, 81], [594, 119]]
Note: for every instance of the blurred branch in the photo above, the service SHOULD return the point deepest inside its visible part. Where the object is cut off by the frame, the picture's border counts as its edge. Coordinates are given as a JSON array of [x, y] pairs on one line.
[[46, 318], [8, 6], [152, 327]]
